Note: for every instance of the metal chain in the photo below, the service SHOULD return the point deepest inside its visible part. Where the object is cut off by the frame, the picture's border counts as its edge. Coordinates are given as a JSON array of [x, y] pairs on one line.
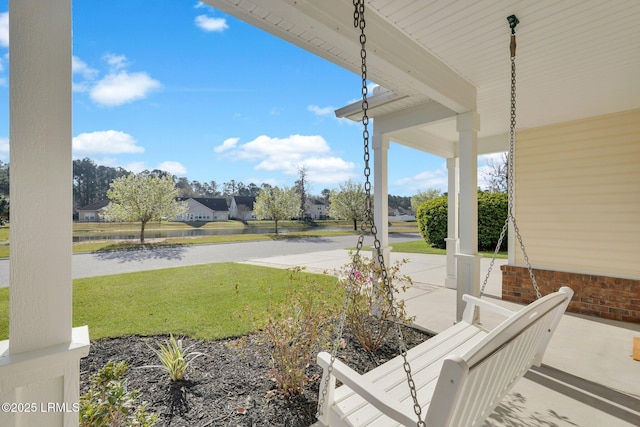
[[368, 224], [510, 179]]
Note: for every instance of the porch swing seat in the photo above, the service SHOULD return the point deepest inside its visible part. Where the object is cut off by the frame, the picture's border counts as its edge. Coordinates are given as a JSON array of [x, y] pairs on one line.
[[461, 374]]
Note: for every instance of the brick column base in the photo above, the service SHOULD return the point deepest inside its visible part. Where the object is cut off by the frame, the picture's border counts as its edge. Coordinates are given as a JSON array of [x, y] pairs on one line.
[[600, 296]]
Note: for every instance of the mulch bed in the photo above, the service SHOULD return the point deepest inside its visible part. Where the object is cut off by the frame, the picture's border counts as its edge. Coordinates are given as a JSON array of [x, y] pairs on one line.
[[230, 385]]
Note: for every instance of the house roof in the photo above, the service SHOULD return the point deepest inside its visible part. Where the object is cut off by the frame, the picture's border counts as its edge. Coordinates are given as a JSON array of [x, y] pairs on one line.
[[245, 200], [96, 206], [216, 204], [437, 59]]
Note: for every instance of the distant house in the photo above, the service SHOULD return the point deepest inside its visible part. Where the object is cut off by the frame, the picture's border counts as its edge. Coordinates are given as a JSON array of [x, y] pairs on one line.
[[204, 209], [317, 208], [401, 214], [93, 212], [242, 208]]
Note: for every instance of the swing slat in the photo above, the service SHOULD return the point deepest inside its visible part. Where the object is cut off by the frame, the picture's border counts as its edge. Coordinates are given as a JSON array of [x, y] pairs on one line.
[[461, 374]]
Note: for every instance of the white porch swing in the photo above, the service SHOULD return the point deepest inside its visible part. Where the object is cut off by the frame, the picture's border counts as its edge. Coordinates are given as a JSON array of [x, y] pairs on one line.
[[458, 377]]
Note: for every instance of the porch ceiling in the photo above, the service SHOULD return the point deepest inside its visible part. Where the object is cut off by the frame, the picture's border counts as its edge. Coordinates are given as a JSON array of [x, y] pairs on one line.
[[575, 58]]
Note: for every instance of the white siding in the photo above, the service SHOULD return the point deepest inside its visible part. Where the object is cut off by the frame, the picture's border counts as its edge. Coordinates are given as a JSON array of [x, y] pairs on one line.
[[578, 195]]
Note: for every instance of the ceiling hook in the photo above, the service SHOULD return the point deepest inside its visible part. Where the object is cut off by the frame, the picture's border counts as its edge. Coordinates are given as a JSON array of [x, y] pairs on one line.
[[513, 22]]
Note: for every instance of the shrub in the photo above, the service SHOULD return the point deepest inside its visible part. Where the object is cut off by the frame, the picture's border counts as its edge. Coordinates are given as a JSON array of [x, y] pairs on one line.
[[432, 221], [492, 212], [174, 358], [297, 330], [109, 403], [369, 315]]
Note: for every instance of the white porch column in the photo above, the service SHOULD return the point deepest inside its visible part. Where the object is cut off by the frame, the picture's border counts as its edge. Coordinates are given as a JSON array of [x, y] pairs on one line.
[[39, 365], [452, 240], [468, 125], [380, 145]]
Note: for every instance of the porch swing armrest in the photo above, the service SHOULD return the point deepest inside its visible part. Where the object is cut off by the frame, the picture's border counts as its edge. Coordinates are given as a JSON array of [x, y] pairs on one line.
[[473, 302], [368, 390]]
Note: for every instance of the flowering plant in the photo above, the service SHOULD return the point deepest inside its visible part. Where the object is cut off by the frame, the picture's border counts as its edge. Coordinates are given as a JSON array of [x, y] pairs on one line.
[[370, 315]]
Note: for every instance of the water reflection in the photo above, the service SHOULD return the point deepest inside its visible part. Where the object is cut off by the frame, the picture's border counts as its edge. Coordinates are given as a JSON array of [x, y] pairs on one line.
[[160, 234]]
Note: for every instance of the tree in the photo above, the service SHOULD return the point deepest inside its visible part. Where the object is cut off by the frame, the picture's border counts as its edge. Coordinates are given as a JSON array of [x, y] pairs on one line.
[[422, 196], [143, 198], [302, 187], [184, 188], [348, 203], [4, 210], [84, 182], [4, 178], [277, 204], [496, 174], [325, 194]]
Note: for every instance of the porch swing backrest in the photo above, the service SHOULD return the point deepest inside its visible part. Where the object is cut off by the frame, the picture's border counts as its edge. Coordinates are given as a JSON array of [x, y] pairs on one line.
[[461, 374]]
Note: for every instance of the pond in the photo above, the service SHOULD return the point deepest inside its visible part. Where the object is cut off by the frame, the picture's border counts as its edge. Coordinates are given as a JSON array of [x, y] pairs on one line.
[[161, 234]]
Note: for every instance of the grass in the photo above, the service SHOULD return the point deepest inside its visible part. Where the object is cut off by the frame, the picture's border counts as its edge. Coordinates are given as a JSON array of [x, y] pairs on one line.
[[205, 302], [421, 247]]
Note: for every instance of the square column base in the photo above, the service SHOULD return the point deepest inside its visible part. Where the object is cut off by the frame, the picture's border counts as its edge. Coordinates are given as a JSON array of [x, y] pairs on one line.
[[453, 247], [42, 387], [468, 280]]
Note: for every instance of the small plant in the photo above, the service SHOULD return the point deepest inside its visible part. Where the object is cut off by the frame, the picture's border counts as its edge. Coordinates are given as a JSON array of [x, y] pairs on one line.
[[174, 358], [109, 403], [369, 316], [297, 330]]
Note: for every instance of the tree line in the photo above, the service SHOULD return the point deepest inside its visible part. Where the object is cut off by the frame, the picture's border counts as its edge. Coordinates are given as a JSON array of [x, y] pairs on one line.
[[91, 183]]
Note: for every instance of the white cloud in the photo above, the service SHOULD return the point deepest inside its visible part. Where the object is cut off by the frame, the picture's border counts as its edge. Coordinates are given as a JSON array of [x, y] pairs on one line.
[[78, 66], [105, 142], [174, 168], [87, 73], [329, 170], [286, 155], [135, 167], [4, 29], [123, 87], [427, 179], [210, 24], [227, 144], [320, 111], [199, 5], [115, 62]]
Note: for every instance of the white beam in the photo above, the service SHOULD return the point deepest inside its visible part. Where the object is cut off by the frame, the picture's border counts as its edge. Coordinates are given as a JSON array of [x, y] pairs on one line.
[[40, 363], [425, 142], [380, 145], [41, 170], [419, 115], [468, 125], [452, 240], [493, 144]]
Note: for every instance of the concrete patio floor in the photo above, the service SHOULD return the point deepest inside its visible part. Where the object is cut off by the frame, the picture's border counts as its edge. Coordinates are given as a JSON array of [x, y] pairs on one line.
[[588, 377]]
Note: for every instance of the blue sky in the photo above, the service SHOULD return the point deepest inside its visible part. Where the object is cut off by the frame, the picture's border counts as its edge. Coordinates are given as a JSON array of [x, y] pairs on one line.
[[179, 86]]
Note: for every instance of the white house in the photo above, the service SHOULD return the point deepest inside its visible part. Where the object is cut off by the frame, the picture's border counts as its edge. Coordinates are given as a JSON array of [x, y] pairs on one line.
[[93, 212], [205, 209], [242, 208], [316, 208]]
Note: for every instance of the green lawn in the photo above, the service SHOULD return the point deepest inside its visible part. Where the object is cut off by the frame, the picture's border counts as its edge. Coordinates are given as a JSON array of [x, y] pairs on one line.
[[421, 247], [206, 301]]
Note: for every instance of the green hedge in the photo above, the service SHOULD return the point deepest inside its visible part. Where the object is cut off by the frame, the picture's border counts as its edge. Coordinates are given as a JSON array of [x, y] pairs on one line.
[[432, 221], [492, 212]]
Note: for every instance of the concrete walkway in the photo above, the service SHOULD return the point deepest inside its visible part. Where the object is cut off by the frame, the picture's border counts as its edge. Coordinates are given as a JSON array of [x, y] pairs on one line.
[[588, 377]]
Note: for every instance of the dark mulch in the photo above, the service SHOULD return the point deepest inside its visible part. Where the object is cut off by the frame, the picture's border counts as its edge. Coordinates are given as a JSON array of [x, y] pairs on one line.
[[230, 386]]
